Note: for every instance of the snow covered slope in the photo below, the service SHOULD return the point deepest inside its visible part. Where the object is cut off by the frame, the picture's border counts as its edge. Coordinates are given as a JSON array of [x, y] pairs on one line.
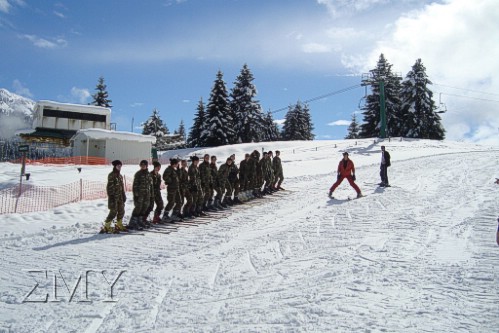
[[417, 257]]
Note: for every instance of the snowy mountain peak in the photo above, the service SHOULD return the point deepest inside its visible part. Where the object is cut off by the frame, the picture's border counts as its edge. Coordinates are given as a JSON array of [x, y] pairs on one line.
[[13, 104]]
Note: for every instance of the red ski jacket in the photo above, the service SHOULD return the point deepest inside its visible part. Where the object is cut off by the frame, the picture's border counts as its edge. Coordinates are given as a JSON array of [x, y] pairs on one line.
[[346, 171]]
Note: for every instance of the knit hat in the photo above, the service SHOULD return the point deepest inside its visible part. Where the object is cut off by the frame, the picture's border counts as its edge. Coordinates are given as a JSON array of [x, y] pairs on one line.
[[156, 164], [115, 163], [173, 161], [194, 158], [144, 162], [345, 153]]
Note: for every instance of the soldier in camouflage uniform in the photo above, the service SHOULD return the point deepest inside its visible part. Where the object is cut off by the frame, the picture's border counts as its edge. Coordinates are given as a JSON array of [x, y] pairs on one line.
[[142, 192], [206, 180], [243, 179], [215, 187], [234, 181], [251, 173], [185, 193], [259, 174], [223, 182], [156, 189], [170, 176], [278, 174], [267, 172], [196, 188], [115, 199]]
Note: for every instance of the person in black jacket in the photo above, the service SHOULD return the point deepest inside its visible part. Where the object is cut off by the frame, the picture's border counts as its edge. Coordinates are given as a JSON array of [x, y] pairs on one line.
[[385, 163]]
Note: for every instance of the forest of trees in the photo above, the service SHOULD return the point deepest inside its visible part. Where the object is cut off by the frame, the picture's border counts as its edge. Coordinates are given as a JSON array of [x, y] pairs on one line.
[[237, 117], [409, 106]]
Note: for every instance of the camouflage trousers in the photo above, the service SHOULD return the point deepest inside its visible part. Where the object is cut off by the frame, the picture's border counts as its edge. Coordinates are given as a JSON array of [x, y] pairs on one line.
[[187, 197], [278, 179], [116, 209], [235, 187], [158, 200], [174, 200], [141, 205]]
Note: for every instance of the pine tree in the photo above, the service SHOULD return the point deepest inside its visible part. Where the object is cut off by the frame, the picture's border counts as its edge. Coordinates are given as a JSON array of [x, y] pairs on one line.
[[353, 129], [372, 124], [101, 97], [181, 129], [219, 125], [246, 111], [271, 131], [298, 124], [421, 120], [154, 126], [194, 138]]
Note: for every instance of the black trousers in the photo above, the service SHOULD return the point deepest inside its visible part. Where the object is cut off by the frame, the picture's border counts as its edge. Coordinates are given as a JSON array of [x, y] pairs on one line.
[[384, 174]]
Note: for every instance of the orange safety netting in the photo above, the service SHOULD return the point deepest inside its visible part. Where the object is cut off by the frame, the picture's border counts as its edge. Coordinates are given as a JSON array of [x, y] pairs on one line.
[[33, 198]]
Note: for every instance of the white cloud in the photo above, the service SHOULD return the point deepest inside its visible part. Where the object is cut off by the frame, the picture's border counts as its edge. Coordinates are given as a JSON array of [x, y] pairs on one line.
[[457, 43], [45, 43], [61, 15], [20, 89], [4, 6], [316, 48], [279, 122], [136, 105], [343, 7], [81, 95], [340, 123]]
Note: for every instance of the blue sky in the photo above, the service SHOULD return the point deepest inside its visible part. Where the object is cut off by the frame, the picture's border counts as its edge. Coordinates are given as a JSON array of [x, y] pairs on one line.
[[165, 54]]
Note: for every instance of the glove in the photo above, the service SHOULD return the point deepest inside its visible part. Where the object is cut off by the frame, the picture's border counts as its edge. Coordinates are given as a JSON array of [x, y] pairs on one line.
[[353, 177], [124, 197], [135, 198], [338, 177]]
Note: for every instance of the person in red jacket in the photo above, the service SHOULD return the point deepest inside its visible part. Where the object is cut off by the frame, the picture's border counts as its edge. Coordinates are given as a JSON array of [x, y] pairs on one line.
[[346, 169]]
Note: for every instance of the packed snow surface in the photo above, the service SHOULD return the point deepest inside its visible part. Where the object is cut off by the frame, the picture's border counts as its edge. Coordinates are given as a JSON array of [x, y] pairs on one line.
[[419, 256]]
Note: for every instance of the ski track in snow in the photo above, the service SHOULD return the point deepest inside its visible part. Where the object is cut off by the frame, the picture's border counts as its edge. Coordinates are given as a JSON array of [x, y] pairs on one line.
[[415, 257]]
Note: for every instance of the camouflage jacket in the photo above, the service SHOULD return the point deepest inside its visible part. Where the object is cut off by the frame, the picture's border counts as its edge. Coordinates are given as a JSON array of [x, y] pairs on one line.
[[223, 174], [233, 172], [142, 184], [205, 173], [214, 173], [115, 188], [170, 176], [156, 182], [267, 167], [242, 168], [183, 178], [277, 165], [194, 178]]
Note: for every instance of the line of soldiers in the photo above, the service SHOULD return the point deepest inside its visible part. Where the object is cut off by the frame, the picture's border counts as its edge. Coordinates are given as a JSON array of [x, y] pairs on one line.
[[192, 190]]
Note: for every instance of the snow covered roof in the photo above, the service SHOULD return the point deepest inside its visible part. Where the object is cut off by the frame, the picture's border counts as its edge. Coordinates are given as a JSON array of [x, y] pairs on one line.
[[74, 107], [101, 134]]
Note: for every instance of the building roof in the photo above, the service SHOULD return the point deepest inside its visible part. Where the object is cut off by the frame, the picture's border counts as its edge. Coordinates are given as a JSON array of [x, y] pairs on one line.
[[101, 134], [74, 107]]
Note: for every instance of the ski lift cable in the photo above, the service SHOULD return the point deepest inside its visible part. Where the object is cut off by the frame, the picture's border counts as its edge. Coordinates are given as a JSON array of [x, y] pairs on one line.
[[337, 92], [469, 97], [475, 91]]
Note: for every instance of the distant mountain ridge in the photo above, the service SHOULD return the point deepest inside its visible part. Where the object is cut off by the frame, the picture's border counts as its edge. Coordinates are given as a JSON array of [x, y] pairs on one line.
[[15, 105]]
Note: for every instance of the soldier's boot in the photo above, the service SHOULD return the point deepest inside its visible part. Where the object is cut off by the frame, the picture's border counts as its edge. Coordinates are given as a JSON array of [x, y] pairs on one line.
[[223, 203], [141, 222], [106, 228], [166, 218], [119, 226], [175, 217], [134, 223], [237, 201], [194, 212], [211, 207], [200, 211], [156, 219]]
